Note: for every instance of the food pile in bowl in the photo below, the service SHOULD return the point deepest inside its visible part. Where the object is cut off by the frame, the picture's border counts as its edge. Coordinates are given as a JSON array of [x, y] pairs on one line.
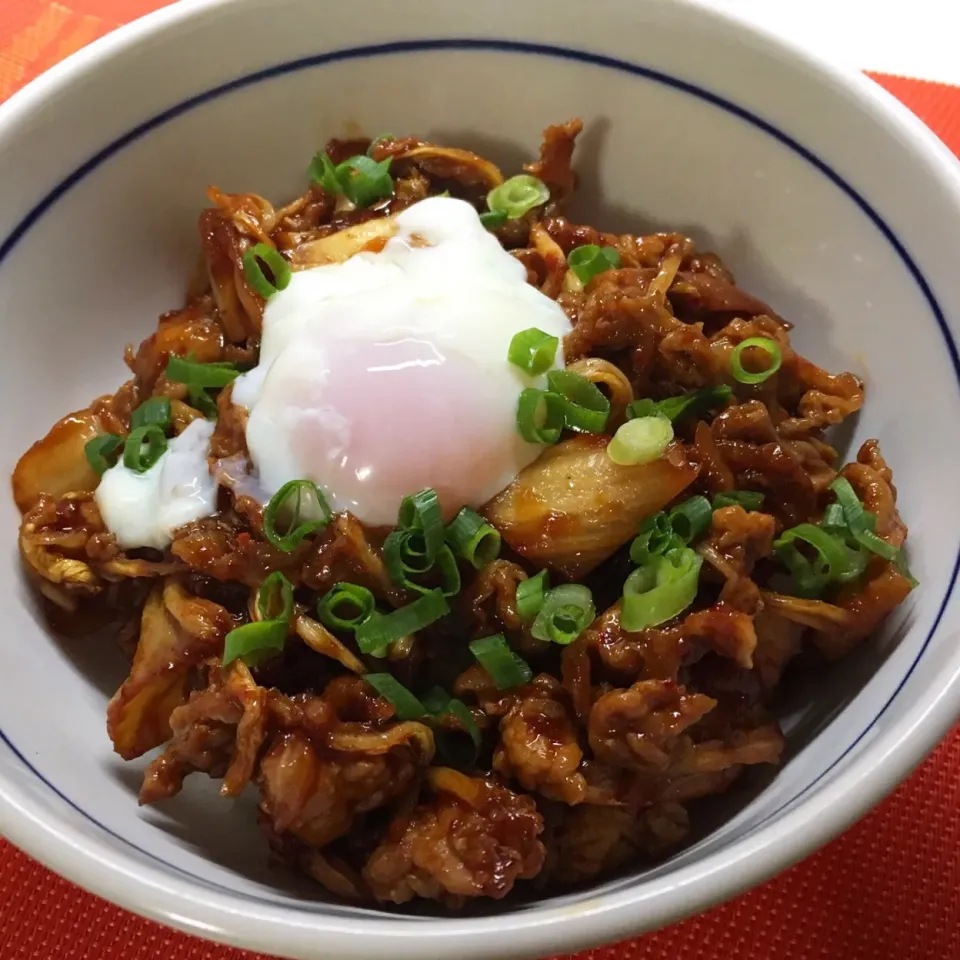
[[475, 540]]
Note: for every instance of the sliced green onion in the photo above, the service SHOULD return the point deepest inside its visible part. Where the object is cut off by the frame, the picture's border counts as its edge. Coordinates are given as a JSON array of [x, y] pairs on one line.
[[503, 665], [566, 612], [856, 518], [472, 538], [345, 606], [296, 510], [540, 416], [878, 545], [201, 400], [361, 179], [255, 642], [585, 408], [589, 260], [365, 180], [405, 554], [533, 351], [530, 595], [253, 271], [834, 521], [661, 590], [449, 572], [421, 511], [691, 518], [154, 411], [493, 219], [748, 499], [380, 630], [834, 562], [406, 705], [102, 452], [770, 347], [200, 375], [640, 441], [275, 598], [656, 537], [673, 408], [143, 448], [322, 171], [518, 195]]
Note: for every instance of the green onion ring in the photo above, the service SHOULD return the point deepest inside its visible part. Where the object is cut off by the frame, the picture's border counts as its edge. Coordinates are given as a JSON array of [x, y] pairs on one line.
[[518, 196], [300, 508], [660, 590], [640, 441], [253, 271], [472, 538], [421, 511], [540, 416], [102, 452], [768, 346], [585, 408], [533, 351], [143, 448], [275, 590], [589, 260], [530, 595], [655, 538], [334, 605], [691, 519], [566, 612]]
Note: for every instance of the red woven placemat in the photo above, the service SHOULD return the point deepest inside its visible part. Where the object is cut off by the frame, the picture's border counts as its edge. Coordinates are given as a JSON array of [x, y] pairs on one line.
[[889, 889]]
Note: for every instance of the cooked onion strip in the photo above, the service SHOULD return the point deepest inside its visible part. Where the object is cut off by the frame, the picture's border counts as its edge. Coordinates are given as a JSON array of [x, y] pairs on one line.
[[322, 641]]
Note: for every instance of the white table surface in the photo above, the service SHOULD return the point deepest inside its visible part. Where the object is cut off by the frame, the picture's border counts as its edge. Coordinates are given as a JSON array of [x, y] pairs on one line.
[[915, 38]]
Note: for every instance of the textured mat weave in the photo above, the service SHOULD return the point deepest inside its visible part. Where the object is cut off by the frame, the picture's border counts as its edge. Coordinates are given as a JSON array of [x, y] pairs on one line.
[[889, 889]]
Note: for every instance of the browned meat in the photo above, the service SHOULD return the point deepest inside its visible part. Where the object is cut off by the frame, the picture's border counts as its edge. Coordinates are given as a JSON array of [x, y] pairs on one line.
[[556, 155], [471, 839], [538, 743], [640, 728], [219, 731]]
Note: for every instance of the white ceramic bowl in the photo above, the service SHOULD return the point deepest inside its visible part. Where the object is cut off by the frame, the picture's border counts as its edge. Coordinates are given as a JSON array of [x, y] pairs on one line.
[[826, 197]]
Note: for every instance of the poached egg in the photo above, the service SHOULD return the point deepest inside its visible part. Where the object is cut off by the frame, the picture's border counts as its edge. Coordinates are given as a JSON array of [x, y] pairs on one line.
[[388, 372]]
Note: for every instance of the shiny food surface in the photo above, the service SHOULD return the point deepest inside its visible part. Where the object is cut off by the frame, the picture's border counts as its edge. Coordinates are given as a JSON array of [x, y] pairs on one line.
[[516, 736]]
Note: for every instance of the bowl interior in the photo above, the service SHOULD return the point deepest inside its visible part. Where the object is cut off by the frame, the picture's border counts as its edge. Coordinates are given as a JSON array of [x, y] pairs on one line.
[[797, 217]]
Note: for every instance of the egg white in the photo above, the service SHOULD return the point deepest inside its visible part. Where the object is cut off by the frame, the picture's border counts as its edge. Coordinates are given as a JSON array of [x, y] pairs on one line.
[[143, 509]]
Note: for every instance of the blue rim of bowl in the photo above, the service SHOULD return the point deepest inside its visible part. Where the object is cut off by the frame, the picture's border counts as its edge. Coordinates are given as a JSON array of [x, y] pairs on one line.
[[498, 46]]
